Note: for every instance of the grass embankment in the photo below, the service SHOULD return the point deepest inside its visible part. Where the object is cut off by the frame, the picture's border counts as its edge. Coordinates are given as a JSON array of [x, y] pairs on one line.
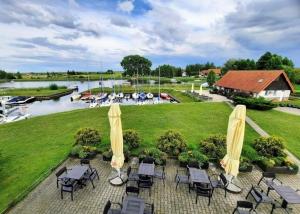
[[31, 91], [31, 147], [280, 124]]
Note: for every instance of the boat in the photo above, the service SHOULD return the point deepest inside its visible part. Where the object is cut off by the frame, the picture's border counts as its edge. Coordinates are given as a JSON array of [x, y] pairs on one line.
[[73, 87], [112, 96], [19, 100], [165, 96], [86, 96], [127, 96], [75, 96], [149, 95], [135, 96], [13, 117], [120, 95], [142, 96], [93, 104], [101, 96]]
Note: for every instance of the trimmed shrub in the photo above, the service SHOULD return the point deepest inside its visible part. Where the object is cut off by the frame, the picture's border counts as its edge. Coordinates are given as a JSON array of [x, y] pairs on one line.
[[159, 156], [269, 146], [244, 163], [131, 138], [83, 151], [249, 152], [172, 143], [254, 103], [88, 136], [214, 147], [53, 86], [193, 156]]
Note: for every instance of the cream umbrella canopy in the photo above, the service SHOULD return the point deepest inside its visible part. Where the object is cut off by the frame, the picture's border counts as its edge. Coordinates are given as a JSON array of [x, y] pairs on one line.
[[192, 90], [200, 91], [116, 136], [234, 140]]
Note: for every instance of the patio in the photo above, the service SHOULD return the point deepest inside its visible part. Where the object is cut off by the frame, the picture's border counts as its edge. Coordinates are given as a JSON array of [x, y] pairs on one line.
[[46, 197]]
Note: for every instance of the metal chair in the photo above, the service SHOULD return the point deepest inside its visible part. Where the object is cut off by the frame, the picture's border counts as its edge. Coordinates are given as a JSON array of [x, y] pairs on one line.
[[132, 190], [160, 173], [59, 175], [68, 186], [131, 176], [145, 182], [107, 208], [193, 164], [149, 160], [149, 208], [205, 190], [244, 207], [181, 178], [260, 197], [221, 183], [269, 178]]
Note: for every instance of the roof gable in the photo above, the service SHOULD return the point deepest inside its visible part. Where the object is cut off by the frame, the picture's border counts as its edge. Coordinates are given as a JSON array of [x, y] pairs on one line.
[[251, 80]]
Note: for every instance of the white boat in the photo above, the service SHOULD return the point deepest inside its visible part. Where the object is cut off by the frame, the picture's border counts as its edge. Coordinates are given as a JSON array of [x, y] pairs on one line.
[[93, 105], [13, 118], [75, 96], [120, 95], [149, 95], [135, 96], [112, 96], [101, 96], [127, 96], [18, 100]]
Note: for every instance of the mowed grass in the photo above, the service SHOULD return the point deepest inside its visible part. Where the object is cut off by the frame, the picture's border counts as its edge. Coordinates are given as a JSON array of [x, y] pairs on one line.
[[280, 124], [31, 91], [31, 147]]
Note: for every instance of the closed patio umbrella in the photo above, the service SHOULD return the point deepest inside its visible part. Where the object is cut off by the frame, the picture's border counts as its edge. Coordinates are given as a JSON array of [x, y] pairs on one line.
[[200, 91], [192, 90], [234, 140], [116, 136]]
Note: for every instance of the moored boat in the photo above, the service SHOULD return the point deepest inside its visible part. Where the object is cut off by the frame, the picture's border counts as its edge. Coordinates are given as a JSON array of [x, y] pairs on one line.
[[19, 100], [135, 96], [86, 96], [165, 96], [149, 95]]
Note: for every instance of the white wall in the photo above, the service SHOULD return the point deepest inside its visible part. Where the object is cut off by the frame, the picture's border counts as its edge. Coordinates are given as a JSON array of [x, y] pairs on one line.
[[275, 94]]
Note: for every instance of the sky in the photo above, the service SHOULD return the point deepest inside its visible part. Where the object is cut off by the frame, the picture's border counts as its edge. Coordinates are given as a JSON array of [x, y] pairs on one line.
[[95, 35]]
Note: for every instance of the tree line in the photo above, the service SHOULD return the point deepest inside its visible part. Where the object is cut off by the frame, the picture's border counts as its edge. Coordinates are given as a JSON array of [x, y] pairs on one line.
[[9, 76]]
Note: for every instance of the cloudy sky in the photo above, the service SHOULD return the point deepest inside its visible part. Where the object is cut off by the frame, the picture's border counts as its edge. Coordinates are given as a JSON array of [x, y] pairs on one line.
[[41, 35]]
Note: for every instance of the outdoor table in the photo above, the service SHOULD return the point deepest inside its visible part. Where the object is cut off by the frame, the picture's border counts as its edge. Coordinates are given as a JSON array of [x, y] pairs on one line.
[[289, 195], [146, 169], [198, 176], [76, 173], [133, 205]]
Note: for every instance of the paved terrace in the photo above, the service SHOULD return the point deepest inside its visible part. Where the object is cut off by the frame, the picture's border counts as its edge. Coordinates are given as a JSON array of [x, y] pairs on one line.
[[46, 197]]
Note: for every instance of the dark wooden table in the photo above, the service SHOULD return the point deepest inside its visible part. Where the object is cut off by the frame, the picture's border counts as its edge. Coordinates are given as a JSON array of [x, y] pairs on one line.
[[146, 169], [133, 205], [198, 176], [76, 172], [288, 194]]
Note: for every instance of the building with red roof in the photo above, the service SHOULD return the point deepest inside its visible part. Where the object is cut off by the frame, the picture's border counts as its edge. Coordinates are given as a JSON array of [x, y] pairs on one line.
[[270, 84], [217, 71]]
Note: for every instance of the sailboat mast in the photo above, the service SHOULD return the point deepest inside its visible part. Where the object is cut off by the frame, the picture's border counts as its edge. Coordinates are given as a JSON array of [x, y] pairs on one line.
[[158, 83]]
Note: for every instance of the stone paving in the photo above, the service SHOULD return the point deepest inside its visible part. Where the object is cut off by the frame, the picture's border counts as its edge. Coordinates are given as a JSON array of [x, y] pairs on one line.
[[46, 197]]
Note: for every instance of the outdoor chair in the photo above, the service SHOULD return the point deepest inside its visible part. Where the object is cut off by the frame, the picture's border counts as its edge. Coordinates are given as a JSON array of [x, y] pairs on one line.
[[132, 190], [131, 176], [260, 197], [205, 190], [68, 186], [149, 160], [221, 183], [149, 208], [160, 173], [91, 169], [269, 178], [108, 210], [193, 164], [181, 177], [59, 175], [244, 207], [90, 176], [145, 182]]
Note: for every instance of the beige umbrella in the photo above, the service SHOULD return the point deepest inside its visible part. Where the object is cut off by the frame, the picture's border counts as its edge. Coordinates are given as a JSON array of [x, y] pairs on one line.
[[200, 91], [234, 140], [192, 90], [116, 136]]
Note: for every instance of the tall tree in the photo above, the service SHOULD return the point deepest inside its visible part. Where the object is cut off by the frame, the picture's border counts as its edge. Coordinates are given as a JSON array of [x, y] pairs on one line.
[[167, 71], [134, 64], [211, 78]]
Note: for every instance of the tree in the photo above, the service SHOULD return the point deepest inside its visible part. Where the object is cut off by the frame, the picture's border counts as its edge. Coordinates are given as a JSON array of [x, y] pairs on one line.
[[269, 61], [134, 64], [167, 71], [18, 75], [211, 78], [109, 71], [193, 69], [239, 64], [2, 74]]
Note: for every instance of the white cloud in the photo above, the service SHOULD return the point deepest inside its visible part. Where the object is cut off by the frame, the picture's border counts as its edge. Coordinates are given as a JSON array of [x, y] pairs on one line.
[[126, 6]]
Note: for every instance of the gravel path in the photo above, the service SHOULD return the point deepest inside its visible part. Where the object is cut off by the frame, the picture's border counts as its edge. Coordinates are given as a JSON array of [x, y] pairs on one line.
[[289, 110]]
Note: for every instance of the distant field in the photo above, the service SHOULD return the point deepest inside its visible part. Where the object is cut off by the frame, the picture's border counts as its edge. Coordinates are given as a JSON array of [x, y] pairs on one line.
[[31, 91]]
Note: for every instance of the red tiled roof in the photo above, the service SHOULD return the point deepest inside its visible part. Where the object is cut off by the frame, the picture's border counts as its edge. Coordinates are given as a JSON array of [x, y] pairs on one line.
[[251, 80], [215, 70]]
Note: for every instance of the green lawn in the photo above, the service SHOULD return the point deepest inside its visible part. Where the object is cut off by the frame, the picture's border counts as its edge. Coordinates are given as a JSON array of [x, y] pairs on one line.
[[280, 124], [293, 100], [297, 87], [31, 91], [31, 147]]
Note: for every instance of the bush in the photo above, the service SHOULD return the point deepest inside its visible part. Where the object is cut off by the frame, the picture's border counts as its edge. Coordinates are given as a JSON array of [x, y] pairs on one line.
[[269, 147], [83, 151], [159, 156], [214, 147], [193, 156], [254, 103], [244, 163], [172, 143], [131, 138], [88, 136], [53, 86], [107, 154], [249, 152]]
